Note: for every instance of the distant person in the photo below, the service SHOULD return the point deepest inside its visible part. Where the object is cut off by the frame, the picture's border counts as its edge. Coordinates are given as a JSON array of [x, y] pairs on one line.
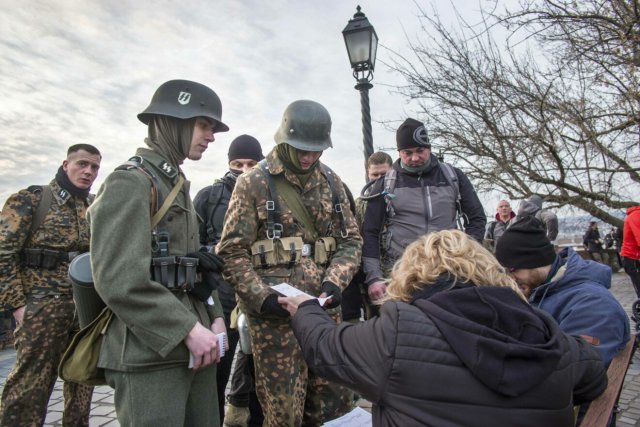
[[593, 244], [495, 229], [42, 229], [573, 290], [456, 344], [630, 251], [533, 207], [419, 195], [211, 204], [377, 166]]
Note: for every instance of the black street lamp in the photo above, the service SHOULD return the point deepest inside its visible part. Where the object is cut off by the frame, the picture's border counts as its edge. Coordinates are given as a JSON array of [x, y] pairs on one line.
[[362, 42]]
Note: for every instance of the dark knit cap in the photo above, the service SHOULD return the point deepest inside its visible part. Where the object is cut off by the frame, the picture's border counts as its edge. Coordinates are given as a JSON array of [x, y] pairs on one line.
[[525, 245], [412, 134], [245, 147]]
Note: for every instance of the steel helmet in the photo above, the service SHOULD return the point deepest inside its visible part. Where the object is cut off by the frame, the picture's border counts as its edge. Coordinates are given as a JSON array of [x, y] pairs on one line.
[[306, 125], [184, 99]]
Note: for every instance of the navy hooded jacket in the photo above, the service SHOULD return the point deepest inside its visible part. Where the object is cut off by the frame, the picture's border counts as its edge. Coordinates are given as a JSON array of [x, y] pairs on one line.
[[577, 295]]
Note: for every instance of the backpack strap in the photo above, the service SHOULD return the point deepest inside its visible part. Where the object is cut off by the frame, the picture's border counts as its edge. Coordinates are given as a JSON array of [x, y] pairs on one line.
[[213, 200], [41, 210], [450, 174], [274, 226], [389, 186], [337, 206]]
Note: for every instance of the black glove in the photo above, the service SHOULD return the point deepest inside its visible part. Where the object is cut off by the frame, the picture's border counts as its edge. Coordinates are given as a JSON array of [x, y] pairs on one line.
[[209, 283], [208, 261], [210, 266], [271, 306], [334, 292]]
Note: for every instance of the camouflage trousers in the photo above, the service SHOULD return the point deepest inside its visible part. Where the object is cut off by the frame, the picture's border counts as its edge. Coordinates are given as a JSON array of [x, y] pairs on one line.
[[47, 328], [291, 395]]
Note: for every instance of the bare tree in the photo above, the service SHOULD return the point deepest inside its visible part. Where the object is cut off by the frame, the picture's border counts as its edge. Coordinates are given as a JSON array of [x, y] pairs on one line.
[[543, 100]]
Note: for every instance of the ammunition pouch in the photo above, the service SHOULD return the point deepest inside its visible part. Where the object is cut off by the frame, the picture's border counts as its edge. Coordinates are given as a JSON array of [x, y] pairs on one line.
[[175, 273], [272, 252], [324, 250], [46, 259]]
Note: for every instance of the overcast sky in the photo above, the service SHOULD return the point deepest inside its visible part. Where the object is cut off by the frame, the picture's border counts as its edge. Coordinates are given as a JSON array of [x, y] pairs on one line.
[[76, 71]]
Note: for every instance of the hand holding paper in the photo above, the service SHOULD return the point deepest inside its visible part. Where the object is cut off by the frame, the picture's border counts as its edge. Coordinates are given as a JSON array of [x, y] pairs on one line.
[[293, 297]]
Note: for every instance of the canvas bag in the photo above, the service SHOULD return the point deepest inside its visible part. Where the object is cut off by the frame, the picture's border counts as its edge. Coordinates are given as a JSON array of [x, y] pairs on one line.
[[79, 363]]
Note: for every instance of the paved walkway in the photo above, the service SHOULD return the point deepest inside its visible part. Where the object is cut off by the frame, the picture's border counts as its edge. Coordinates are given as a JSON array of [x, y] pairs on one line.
[[103, 411]]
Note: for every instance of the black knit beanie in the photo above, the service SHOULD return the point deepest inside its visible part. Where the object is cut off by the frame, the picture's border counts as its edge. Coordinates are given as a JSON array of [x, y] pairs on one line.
[[525, 245], [245, 147], [412, 134]]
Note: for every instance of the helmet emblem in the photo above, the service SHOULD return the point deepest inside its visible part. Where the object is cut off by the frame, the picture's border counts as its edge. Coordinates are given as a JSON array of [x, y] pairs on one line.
[[184, 98], [420, 136]]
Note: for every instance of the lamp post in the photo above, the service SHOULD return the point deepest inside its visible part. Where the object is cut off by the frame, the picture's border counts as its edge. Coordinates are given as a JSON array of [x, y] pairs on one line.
[[362, 42]]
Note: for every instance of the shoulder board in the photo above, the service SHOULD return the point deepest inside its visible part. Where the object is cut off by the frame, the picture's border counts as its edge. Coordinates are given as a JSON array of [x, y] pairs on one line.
[[133, 162]]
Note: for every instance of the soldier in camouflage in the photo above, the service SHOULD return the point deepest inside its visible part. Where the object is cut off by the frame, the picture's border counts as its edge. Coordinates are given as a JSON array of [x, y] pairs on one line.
[[34, 259], [309, 246]]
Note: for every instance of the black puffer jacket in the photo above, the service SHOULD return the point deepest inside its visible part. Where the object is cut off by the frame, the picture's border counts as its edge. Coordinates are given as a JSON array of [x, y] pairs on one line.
[[476, 356]]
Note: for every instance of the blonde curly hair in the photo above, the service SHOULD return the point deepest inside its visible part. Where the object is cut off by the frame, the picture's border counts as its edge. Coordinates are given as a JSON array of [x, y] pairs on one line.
[[446, 251]]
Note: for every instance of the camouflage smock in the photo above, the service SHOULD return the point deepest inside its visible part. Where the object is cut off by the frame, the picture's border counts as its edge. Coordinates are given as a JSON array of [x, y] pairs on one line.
[[245, 223], [65, 228]]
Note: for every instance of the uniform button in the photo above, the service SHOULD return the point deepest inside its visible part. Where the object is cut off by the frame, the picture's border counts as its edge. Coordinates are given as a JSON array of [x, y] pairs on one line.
[[170, 218]]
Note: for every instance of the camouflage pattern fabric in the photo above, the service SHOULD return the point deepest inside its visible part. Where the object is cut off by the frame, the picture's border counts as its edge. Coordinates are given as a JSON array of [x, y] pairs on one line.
[[47, 329], [285, 397], [361, 208], [289, 393], [48, 322], [65, 228]]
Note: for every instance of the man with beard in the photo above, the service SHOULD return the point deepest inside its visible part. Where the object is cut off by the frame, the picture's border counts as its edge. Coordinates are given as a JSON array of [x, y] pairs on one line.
[[42, 229], [420, 195], [289, 221], [161, 346]]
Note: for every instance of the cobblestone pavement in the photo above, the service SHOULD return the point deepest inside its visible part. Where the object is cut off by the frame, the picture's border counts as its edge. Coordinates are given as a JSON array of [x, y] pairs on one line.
[[103, 411]]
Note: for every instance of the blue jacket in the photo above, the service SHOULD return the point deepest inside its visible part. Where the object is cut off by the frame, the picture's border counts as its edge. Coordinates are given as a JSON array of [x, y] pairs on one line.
[[581, 303]]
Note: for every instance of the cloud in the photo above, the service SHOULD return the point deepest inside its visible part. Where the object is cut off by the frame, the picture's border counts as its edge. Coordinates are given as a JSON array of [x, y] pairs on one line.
[[78, 71]]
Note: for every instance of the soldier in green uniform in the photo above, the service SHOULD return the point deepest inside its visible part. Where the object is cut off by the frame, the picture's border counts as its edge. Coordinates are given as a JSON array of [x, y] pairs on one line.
[[304, 235], [41, 229], [160, 349]]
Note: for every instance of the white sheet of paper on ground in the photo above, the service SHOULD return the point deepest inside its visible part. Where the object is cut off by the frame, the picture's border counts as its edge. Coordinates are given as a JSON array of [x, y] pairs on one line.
[[356, 418], [287, 290]]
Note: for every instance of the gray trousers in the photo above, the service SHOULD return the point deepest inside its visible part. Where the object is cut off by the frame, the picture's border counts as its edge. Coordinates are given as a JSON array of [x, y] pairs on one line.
[[170, 397]]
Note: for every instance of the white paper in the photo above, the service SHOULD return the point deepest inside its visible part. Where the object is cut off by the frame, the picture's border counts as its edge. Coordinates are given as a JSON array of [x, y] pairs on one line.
[[222, 339], [356, 418], [287, 290]]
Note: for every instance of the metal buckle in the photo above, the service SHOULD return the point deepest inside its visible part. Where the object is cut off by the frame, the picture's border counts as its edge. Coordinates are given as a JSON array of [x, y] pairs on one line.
[[306, 249], [271, 205]]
